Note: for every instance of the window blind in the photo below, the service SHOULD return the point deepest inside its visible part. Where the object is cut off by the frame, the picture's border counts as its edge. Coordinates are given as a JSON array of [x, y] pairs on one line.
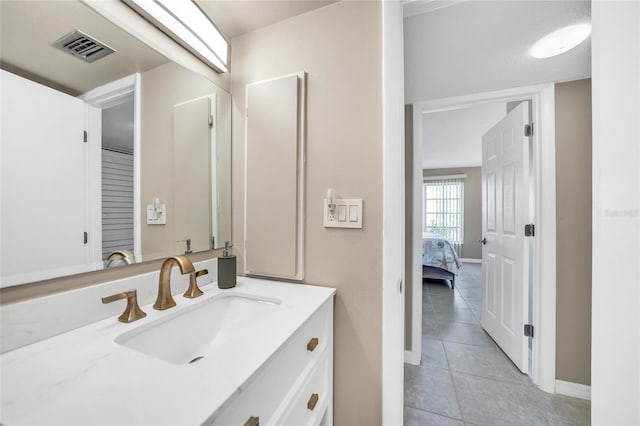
[[444, 208]]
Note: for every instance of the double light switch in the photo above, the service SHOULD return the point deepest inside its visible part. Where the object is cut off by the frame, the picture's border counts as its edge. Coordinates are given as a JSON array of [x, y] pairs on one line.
[[347, 213]]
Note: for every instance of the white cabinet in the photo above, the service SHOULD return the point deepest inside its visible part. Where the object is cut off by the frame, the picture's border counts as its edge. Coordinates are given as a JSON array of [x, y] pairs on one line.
[[295, 386]]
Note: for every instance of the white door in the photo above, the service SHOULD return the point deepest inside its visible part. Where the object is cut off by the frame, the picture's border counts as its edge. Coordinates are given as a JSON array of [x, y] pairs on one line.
[[505, 255], [44, 180], [192, 174]]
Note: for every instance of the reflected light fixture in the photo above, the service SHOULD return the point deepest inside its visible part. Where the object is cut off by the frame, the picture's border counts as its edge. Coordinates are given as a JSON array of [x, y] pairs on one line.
[[560, 41], [188, 25]]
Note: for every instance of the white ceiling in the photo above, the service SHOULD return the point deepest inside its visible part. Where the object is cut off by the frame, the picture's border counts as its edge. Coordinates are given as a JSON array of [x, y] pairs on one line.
[[29, 28], [454, 138], [234, 18], [478, 46]]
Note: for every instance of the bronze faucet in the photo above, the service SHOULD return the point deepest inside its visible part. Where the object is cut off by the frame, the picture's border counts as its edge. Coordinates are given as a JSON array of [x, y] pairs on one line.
[[193, 290], [133, 311], [165, 300]]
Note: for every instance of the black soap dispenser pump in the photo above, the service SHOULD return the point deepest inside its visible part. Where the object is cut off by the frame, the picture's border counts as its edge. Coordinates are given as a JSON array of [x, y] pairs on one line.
[[227, 268]]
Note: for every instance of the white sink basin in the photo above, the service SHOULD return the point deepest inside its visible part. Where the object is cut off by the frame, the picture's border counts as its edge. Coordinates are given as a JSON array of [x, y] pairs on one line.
[[195, 331]]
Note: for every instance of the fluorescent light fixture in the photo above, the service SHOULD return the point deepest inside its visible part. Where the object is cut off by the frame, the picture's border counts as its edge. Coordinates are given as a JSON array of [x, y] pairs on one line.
[[187, 24], [560, 41]]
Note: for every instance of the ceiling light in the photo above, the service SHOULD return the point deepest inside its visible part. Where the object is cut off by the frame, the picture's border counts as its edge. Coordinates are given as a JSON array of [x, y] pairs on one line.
[[560, 41], [187, 24]]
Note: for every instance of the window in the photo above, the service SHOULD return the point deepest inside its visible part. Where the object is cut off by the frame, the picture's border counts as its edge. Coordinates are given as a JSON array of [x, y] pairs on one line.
[[444, 207]]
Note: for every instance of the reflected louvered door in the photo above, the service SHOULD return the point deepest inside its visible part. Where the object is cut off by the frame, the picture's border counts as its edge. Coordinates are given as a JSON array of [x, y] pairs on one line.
[[117, 202], [505, 177]]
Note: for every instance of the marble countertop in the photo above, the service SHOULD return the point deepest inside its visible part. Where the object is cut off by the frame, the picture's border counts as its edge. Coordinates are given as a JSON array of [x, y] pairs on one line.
[[84, 377]]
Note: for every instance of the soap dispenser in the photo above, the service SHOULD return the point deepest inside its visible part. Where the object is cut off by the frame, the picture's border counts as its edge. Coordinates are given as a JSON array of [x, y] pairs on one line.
[[227, 268]]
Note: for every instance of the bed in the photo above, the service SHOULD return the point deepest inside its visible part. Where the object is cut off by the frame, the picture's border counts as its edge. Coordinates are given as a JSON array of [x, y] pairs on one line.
[[439, 260]]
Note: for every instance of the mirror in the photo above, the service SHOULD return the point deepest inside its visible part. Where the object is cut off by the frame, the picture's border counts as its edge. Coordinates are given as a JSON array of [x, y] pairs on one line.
[[105, 162]]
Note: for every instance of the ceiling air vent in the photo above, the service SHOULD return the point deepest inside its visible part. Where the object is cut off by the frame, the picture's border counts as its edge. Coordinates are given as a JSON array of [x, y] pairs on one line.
[[82, 46]]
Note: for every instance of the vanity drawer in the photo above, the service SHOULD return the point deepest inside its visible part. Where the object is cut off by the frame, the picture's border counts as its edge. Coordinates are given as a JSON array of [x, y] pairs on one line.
[[310, 402], [268, 395]]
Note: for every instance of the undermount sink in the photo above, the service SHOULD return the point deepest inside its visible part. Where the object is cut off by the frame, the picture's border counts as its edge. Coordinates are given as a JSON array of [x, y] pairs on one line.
[[191, 333]]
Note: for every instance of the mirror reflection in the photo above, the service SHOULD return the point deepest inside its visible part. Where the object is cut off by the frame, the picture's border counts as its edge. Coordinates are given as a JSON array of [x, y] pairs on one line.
[[111, 154]]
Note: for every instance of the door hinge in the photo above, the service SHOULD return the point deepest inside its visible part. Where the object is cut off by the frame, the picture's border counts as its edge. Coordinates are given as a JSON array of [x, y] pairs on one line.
[[528, 330], [86, 237], [85, 136], [211, 121], [528, 129], [530, 230]]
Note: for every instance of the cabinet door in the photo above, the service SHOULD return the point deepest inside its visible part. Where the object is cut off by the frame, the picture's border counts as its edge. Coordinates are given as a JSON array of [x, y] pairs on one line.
[[274, 178]]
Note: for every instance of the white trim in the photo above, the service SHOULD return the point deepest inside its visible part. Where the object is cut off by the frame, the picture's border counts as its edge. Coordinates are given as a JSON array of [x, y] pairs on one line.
[[615, 314], [575, 390], [469, 260], [468, 165], [443, 177], [93, 120], [544, 244], [411, 357], [137, 168], [112, 93], [393, 202], [416, 243]]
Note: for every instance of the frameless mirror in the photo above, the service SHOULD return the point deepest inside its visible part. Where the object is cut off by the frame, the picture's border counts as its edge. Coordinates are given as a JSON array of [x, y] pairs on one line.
[[111, 153]]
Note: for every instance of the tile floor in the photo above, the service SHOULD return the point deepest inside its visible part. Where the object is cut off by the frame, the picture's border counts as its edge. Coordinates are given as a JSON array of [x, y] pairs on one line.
[[464, 378]]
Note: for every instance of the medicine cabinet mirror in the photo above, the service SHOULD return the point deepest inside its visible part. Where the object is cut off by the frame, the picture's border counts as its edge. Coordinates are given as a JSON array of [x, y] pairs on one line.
[[125, 155]]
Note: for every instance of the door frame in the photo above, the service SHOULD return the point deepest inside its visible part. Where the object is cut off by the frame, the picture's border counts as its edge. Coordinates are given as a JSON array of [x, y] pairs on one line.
[[544, 243], [106, 96]]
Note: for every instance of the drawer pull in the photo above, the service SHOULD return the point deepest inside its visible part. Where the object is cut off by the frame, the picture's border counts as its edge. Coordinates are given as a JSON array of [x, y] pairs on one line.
[[312, 344], [312, 401], [253, 421]]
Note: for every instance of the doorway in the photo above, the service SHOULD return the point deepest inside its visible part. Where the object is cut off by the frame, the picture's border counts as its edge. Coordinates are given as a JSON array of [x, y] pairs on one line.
[[117, 179], [542, 368], [121, 98]]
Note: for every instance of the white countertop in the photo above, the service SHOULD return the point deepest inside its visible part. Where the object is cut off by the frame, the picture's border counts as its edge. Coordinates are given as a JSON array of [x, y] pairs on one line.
[[83, 377]]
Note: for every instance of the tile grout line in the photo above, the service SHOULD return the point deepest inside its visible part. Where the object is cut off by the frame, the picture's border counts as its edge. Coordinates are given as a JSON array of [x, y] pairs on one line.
[[453, 383], [437, 414]]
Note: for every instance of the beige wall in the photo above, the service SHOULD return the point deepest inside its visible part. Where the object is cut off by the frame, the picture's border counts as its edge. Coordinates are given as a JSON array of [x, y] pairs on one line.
[[162, 88], [408, 224], [573, 216], [339, 46], [471, 249]]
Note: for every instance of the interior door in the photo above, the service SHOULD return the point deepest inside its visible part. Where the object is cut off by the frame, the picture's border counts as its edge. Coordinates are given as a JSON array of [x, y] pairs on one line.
[[192, 171], [505, 259], [43, 220]]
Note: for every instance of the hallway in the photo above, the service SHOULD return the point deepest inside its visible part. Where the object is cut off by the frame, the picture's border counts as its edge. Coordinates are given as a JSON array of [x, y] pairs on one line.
[[464, 378]]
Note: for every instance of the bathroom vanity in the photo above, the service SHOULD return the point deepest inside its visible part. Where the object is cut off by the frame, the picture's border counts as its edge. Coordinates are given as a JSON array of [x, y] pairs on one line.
[[258, 354]]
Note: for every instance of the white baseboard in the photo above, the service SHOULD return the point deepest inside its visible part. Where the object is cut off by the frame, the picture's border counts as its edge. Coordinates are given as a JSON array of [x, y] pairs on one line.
[[469, 260], [411, 357], [575, 390]]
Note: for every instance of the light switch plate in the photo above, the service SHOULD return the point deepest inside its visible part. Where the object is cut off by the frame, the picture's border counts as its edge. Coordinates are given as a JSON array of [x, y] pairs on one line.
[[157, 217], [347, 214]]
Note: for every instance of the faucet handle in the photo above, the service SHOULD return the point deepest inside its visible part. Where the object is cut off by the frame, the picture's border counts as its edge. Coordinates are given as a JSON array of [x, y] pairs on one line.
[[132, 312], [194, 290]]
